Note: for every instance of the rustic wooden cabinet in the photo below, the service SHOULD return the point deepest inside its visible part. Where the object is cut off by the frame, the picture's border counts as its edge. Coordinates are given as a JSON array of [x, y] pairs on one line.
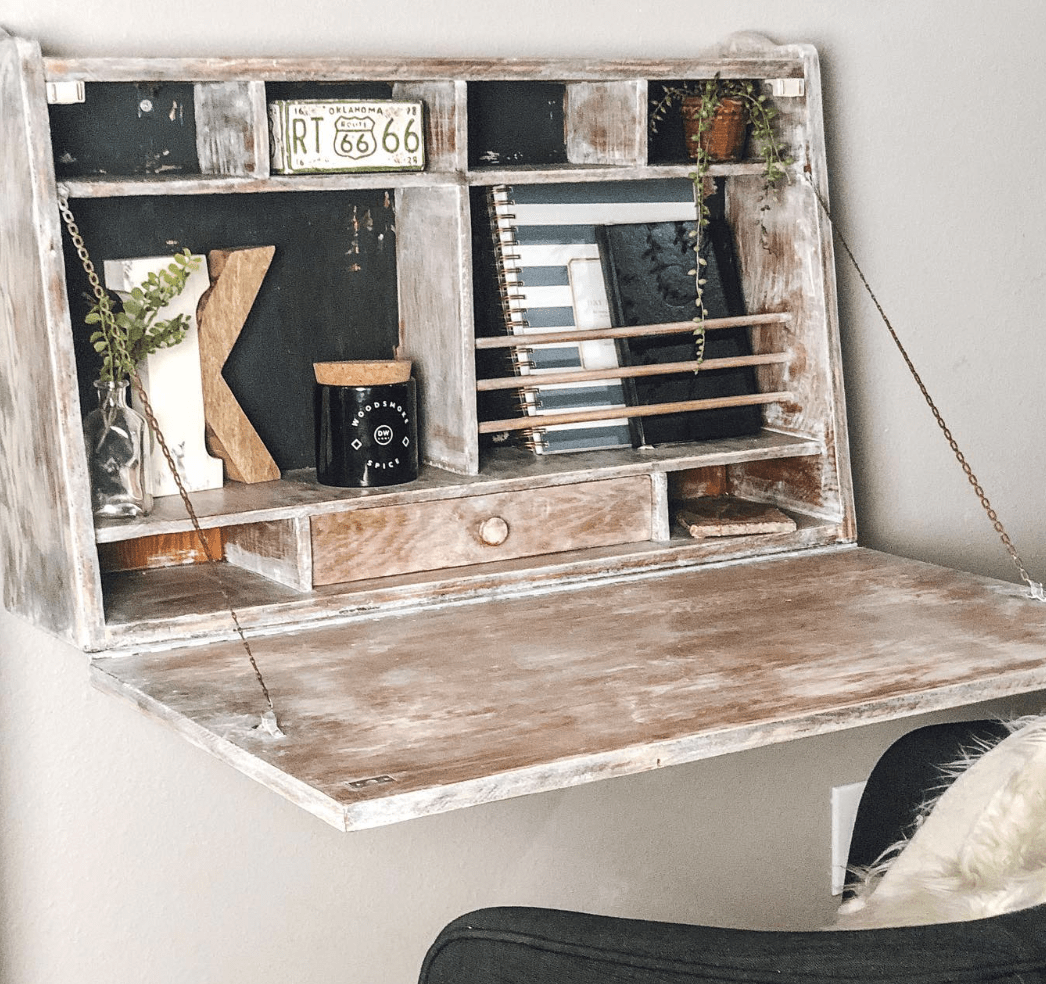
[[509, 622], [278, 534]]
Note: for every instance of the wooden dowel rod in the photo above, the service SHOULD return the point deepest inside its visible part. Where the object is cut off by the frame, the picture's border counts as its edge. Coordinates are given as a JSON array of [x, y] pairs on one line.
[[628, 372], [630, 331], [611, 413]]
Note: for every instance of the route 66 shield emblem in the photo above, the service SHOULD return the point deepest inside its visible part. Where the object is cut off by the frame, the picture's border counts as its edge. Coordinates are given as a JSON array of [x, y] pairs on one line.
[[354, 137]]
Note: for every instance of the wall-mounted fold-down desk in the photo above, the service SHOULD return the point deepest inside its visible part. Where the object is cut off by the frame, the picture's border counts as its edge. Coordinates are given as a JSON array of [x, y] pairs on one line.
[[399, 717], [511, 622]]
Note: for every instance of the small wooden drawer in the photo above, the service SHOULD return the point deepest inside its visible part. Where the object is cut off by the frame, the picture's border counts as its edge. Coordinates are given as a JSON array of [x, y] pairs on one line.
[[385, 540]]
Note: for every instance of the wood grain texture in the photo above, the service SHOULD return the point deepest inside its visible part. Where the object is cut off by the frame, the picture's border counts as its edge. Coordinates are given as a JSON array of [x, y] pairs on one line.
[[565, 174], [697, 482], [106, 187], [506, 470], [473, 703], [435, 305], [605, 125], [210, 185], [48, 565], [521, 674], [163, 606], [279, 551], [646, 410], [637, 331], [236, 277], [445, 121], [164, 550], [362, 372], [660, 520], [727, 515], [796, 229], [793, 484], [230, 138], [837, 436], [632, 372], [774, 61], [606, 122], [367, 543]]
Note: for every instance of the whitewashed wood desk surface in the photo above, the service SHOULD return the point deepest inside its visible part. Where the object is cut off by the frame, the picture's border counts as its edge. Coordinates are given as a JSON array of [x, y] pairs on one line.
[[479, 702]]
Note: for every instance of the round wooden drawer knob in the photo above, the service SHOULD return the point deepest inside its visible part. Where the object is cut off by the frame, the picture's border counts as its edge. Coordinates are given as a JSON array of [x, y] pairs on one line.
[[493, 531]]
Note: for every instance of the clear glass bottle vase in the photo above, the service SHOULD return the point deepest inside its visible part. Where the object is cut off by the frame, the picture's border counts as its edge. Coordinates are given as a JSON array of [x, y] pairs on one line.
[[117, 448]]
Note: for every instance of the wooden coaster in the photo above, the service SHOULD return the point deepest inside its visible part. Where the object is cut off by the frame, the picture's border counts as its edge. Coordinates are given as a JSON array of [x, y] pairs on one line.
[[725, 515]]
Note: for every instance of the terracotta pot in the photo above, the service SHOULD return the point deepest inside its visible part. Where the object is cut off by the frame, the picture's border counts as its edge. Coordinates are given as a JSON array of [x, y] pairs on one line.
[[725, 139]]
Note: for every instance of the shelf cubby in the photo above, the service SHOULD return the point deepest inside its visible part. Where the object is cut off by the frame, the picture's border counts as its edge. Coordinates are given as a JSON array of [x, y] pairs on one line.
[[506, 469]]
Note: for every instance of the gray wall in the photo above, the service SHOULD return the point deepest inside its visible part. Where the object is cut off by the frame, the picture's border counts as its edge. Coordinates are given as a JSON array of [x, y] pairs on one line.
[[128, 856]]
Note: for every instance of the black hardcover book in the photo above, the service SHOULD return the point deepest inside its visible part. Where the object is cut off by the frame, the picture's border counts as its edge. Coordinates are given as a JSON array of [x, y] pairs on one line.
[[646, 267]]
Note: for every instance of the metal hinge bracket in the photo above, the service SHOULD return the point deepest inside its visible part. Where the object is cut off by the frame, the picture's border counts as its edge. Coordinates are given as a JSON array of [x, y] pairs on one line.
[[788, 88], [371, 781], [65, 93]]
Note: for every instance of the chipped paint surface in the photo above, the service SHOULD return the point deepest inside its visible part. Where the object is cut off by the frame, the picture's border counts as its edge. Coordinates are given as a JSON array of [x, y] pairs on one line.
[[463, 705], [40, 564], [570, 669], [606, 125], [605, 122], [225, 114]]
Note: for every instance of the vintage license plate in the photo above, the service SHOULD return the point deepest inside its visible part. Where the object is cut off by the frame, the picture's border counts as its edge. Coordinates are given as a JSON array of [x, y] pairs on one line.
[[313, 135]]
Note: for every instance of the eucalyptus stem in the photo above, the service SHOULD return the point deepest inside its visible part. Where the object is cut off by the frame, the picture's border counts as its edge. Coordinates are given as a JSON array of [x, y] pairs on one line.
[[124, 338]]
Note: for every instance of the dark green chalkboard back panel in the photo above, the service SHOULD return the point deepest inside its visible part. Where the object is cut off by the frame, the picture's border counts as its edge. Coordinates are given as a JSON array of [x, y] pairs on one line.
[[516, 124], [330, 293], [126, 128]]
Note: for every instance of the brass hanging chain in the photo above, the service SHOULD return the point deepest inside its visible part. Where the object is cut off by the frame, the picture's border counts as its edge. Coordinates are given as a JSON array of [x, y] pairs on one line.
[[269, 723], [1034, 587]]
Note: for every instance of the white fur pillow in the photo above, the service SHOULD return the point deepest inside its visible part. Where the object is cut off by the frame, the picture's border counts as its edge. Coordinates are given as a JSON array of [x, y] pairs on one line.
[[980, 852]]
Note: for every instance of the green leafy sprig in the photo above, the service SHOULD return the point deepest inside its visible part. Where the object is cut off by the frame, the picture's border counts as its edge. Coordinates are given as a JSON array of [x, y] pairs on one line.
[[127, 336]]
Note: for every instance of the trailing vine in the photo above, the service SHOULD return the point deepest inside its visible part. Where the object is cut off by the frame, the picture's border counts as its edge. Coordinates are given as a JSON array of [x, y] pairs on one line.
[[706, 99]]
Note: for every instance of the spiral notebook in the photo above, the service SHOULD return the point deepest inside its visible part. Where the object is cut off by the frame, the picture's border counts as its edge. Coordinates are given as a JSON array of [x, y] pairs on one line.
[[538, 295]]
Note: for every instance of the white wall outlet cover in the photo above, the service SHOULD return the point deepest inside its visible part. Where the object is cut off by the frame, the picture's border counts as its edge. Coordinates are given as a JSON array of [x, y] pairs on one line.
[[845, 800], [171, 378]]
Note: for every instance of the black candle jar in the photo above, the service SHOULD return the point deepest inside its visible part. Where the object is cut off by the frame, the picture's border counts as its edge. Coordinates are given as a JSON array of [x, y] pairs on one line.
[[366, 436]]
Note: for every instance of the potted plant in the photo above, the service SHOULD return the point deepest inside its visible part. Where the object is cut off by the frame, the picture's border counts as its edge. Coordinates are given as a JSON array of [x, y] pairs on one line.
[[116, 435], [717, 116]]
